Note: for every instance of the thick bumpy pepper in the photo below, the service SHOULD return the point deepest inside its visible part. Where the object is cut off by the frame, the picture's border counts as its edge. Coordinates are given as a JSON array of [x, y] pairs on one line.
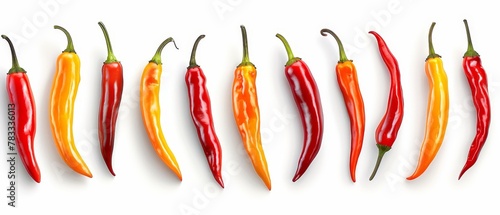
[[247, 114]]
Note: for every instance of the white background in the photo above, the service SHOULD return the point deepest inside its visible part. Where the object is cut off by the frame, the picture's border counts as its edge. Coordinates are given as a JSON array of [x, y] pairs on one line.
[[144, 183]]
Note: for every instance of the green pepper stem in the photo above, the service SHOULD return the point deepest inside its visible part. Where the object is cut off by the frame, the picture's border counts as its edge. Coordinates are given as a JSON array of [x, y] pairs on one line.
[[343, 57], [470, 49], [157, 57], [15, 64], [381, 152], [192, 60], [246, 58], [432, 53], [291, 59], [70, 48], [111, 56]]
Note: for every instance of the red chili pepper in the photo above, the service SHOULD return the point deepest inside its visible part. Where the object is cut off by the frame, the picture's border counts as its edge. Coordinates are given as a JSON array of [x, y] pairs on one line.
[[21, 96], [478, 83], [307, 98], [388, 128], [111, 95], [201, 113], [347, 79]]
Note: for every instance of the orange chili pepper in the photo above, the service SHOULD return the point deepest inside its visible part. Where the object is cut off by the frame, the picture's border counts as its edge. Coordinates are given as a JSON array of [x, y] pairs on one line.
[[150, 109], [437, 109], [247, 114], [62, 99], [347, 79]]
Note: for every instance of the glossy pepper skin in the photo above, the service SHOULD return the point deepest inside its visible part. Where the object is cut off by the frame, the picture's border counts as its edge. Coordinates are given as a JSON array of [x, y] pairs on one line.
[[201, 112], [437, 110], [21, 96], [150, 109], [109, 105], [247, 114], [348, 82], [62, 100], [478, 82], [388, 128], [306, 96]]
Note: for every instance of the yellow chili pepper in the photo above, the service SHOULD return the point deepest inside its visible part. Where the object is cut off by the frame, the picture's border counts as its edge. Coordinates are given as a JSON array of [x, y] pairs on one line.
[[150, 109], [246, 112], [437, 109], [62, 99]]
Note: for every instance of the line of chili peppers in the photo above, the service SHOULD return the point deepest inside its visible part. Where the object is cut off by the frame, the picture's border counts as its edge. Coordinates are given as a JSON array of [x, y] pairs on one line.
[[245, 107]]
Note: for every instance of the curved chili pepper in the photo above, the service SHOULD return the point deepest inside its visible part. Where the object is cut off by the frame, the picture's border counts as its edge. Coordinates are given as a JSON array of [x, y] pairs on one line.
[[62, 100], [348, 82], [21, 95], [201, 113], [306, 95], [150, 109], [247, 114], [478, 83], [437, 109], [111, 96], [388, 128]]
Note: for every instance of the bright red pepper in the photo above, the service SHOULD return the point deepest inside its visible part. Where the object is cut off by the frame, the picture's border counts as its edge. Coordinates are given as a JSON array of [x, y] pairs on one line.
[[21, 96], [111, 96], [388, 128], [201, 113], [478, 83], [306, 95]]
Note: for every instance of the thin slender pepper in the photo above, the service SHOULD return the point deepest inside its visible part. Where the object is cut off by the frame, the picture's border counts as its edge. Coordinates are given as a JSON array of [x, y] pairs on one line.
[[109, 106], [437, 109], [150, 109], [62, 100], [306, 95], [246, 112], [201, 113], [348, 82], [24, 116], [388, 128], [478, 83]]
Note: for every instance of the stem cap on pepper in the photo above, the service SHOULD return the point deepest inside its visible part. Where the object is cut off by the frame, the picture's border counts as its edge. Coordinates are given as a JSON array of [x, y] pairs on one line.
[[111, 56], [342, 55], [192, 60], [432, 53], [157, 57], [381, 152], [246, 59], [470, 49], [70, 48], [15, 64], [291, 59]]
